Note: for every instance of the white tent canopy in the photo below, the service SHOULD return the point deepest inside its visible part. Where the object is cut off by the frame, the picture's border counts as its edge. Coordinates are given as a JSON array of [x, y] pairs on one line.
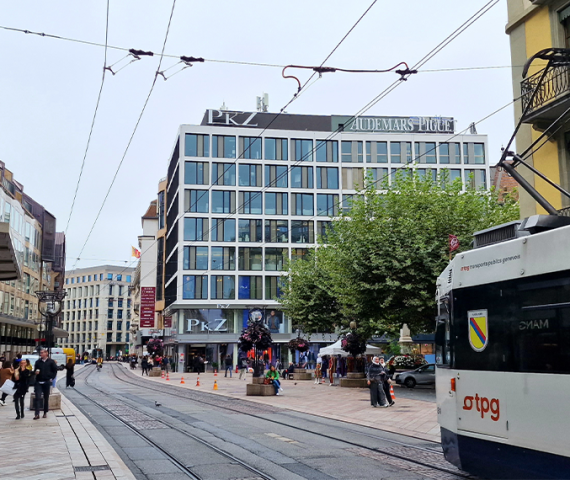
[[336, 349]]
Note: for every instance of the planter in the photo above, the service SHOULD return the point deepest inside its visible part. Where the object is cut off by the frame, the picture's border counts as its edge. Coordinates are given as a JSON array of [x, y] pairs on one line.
[[354, 382], [259, 389], [355, 375]]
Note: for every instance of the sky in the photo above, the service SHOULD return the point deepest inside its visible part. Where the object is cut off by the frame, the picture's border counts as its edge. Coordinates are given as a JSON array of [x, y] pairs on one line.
[[49, 88]]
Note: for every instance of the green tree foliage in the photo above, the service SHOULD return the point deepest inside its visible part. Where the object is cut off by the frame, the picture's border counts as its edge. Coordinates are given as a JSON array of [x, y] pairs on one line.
[[381, 259]]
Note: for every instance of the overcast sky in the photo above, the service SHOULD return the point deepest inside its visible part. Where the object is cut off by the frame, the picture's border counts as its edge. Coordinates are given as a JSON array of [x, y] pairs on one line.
[[49, 87]]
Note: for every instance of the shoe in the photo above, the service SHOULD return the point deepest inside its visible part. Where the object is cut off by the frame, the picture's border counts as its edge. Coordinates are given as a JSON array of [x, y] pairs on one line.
[[277, 394], [22, 416], [36, 417], [2, 402], [280, 389], [384, 406], [18, 417], [392, 403], [375, 406], [45, 414]]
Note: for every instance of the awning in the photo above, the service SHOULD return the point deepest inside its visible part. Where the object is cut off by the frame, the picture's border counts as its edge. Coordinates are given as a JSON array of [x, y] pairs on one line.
[[336, 349], [20, 322], [9, 267]]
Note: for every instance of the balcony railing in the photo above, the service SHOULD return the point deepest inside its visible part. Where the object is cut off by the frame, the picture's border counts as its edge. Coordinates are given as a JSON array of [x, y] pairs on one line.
[[555, 85]]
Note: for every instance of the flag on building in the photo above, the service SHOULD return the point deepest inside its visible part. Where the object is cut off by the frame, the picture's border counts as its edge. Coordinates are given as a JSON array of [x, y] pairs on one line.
[[135, 253], [453, 243]]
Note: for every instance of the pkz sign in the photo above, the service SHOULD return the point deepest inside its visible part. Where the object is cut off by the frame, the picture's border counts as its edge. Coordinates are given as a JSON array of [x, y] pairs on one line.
[[196, 325], [236, 119], [394, 124]]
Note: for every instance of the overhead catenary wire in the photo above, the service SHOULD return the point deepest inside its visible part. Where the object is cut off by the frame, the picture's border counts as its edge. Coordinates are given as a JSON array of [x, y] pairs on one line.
[[92, 121], [132, 135]]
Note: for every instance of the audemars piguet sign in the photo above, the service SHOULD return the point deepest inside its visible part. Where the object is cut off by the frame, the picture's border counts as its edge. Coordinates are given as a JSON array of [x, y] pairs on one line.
[[394, 124]]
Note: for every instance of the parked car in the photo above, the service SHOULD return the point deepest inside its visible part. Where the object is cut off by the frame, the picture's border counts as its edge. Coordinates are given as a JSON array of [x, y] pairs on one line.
[[425, 375]]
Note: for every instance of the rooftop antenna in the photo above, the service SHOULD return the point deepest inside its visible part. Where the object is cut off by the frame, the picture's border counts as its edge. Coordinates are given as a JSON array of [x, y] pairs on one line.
[[223, 107], [263, 103], [472, 129]]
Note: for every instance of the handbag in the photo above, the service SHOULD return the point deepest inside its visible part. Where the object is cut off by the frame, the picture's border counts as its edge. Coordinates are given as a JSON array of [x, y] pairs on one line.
[[266, 381], [8, 387]]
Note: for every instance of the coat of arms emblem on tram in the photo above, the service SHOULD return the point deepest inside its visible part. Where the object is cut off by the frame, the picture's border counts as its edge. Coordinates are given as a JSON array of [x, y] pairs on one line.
[[478, 329]]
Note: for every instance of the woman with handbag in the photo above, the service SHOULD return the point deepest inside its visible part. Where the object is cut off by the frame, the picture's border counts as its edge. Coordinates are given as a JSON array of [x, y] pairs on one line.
[[5, 374], [272, 377], [69, 378], [21, 382]]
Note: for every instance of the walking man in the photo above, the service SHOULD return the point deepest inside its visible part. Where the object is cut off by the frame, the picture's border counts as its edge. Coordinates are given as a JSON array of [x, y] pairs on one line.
[[46, 371], [229, 364]]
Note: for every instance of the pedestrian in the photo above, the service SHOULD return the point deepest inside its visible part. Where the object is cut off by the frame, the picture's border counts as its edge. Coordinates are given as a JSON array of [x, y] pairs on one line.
[[6, 373], [244, 367], [21, 383], [273, 376], [69, 370], [386, 382], [46, 371], [318, 373], [375, 379], [229, 365], [17, 360]]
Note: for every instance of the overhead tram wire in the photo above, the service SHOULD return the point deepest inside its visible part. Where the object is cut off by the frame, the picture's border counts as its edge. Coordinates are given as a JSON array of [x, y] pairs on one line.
[[438, 48], [92, 121], [132, 135]]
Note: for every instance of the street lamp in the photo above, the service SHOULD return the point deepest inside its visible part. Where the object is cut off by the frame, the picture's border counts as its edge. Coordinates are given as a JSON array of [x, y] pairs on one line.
[[50, 304]]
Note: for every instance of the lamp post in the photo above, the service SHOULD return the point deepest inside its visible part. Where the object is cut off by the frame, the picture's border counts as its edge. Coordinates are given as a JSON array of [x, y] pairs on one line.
[[50, 305]]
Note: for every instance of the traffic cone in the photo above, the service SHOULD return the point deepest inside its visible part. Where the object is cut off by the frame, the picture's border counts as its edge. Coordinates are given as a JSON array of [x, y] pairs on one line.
[[392, 393], [167, 376], [198, 381], [182, 381], [215, 384], [215, 373], [162, 375], [237, 369]]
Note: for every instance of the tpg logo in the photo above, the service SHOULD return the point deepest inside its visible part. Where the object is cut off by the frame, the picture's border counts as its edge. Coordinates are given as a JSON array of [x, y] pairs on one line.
[[483, 405]]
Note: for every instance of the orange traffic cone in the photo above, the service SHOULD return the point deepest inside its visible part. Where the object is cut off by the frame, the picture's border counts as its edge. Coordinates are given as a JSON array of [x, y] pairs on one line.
[[392, 393], [215, 373], [215, 384], [162, 375], [198, 381], [182, 381], [167, 376]]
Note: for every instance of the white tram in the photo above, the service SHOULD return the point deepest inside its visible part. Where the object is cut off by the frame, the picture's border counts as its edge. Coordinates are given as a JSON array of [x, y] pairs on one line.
[[503, 352]]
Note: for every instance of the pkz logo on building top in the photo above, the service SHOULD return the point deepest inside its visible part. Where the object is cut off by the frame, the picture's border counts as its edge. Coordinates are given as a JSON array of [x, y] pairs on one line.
[[237, 119]]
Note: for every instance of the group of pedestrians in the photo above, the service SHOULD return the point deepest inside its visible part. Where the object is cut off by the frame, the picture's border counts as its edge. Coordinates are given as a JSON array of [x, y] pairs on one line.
[[379, 383]]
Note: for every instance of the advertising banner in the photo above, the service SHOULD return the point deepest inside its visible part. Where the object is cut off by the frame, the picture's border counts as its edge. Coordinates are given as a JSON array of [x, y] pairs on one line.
[[148, 295]]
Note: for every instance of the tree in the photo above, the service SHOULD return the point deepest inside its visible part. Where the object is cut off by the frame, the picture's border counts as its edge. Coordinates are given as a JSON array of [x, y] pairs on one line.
[[381, 258]]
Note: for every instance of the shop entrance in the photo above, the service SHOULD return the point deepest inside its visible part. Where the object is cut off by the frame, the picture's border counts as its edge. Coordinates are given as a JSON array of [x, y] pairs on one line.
[[194, 353]]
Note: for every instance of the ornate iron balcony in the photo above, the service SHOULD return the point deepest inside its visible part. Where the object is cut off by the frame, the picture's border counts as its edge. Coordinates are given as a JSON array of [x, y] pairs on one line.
[[556, 85]]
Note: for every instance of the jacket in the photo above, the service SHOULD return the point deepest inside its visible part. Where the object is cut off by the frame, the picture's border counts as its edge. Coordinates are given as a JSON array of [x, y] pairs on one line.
[[376, 373], [272, 375], [23, 381], [47, 368]]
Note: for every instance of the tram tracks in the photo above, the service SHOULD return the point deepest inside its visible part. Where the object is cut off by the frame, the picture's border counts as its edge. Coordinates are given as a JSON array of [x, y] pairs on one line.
[[397, 453], [139, 424]]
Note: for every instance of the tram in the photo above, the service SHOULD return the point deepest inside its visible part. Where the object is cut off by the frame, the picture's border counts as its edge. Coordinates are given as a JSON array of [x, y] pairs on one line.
[[503, 352]]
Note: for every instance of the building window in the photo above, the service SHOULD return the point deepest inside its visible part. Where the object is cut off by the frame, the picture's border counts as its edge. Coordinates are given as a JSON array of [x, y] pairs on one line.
[[120, 290], [110, 313], [302, 204], [379, 177], [276, 149], [196, 229], [352, 178], [120, 303], [475, 179], [276, 176], [376, 152], [195, 258], [323, 227], [351, 151], [196, 201], [196, 173], [128, 279], [327, 205], [302, 231], [109, 337], [299, 254], [302, 177], [250, 258], [479, 153], [249, 230], [119, 314], [250, 148], [276, 204], [194, 287], [223, 230], [250, 203], [276, 231], [452, 174], [400, 151], [110, 301], [109, 276], [249, 175], [223, 146], [302, 150], [223, 201], [196, 145], [425, 152], [275, 258], [327, 178], [327, 151], [223, 258], [223, 174], [449, 153], [250, 287], [430, 172], [223, 287], [272, 288]]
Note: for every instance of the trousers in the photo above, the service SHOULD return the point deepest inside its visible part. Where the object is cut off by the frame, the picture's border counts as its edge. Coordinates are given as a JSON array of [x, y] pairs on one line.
[[377, 395], [42, 390], [19, 403]]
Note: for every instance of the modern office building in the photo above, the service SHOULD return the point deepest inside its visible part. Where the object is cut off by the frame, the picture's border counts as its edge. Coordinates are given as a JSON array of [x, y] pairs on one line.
[[98, 309], [247, 191], [534, 26], [33, 259]]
